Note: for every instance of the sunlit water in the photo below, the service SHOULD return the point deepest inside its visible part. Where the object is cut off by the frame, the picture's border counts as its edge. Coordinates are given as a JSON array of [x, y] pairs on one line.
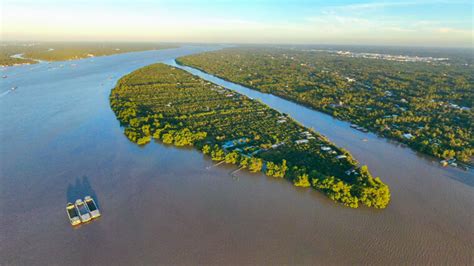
[[59, 140]]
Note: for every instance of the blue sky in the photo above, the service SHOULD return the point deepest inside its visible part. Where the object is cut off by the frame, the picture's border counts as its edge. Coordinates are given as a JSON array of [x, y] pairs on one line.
[[416, 22]]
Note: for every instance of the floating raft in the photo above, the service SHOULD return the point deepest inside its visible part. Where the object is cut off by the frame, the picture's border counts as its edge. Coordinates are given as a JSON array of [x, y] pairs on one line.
[[82, 211]]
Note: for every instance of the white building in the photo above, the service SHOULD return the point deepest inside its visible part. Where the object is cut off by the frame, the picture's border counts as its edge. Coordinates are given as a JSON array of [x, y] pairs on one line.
[[301, 141]]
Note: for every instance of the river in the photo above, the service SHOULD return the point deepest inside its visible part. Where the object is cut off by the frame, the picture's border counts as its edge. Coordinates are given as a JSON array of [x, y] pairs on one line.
[[59, 140]]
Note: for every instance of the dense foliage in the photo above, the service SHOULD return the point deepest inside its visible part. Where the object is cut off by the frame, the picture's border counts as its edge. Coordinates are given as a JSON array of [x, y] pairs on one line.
[[171, 105], [60, 51], [425, 105], [7, 51]]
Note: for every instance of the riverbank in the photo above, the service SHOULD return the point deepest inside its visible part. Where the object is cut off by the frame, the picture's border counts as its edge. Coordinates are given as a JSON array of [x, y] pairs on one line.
[[14, 54]]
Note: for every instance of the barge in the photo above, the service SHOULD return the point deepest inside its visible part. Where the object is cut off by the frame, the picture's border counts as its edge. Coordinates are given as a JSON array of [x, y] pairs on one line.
[[92, 206], [73, 214], [83, 211]]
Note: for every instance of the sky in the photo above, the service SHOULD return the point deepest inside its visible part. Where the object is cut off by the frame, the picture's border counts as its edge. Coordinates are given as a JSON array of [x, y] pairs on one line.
[[411, 23]]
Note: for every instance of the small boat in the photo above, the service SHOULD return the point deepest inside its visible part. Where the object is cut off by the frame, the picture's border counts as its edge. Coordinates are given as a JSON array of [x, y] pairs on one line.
[[354, 126], [73, 214], [14, 88], [5, 76], [92, 206], [83, 211]]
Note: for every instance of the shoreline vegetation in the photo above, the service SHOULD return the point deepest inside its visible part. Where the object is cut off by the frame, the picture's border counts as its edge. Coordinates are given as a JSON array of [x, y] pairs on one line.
[[175, 107], [63, 51], [426, 106]]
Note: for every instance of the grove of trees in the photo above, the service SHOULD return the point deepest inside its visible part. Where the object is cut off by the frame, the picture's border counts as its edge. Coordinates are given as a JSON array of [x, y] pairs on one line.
[[426, 105]]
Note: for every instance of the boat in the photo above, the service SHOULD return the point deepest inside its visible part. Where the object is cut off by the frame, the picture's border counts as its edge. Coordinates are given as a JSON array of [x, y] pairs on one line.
[[14, 88], [92, 206], [73, 214], [5, 76], [83, 211]]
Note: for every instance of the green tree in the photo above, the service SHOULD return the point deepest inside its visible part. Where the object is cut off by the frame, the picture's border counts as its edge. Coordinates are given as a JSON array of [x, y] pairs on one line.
[[270, 168], [206, 149], [217, 154], [167, 138], [244, 162], [255, 164], [280, 170], [143, 140], [232, 157], [302, 180]]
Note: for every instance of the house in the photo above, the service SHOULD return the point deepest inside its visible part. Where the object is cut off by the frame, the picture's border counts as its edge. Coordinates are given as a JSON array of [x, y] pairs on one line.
[[232, 143], [341, 156], [301, 141], [255, 152], [325, 148], [274, 146], [228, 144], [455, 106], [334, 105], [351, 171], [408, 136]]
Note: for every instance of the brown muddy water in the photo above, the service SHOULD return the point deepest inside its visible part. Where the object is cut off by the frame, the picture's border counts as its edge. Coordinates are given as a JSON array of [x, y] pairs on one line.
[[59, 140]]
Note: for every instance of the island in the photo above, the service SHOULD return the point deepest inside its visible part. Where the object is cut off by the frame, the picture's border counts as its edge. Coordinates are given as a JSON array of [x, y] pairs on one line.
[[31, 52], [424, 102], [169, 105]]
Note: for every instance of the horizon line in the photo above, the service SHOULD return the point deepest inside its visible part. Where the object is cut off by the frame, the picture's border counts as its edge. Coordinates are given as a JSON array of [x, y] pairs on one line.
[[471, 47]]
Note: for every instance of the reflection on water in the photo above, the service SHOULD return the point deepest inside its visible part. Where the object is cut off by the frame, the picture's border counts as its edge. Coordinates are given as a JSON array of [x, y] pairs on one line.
[[59, 140], [80, 189]]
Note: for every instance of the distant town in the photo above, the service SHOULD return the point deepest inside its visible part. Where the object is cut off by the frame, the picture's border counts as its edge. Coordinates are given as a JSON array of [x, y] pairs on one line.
[[390, 57]]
